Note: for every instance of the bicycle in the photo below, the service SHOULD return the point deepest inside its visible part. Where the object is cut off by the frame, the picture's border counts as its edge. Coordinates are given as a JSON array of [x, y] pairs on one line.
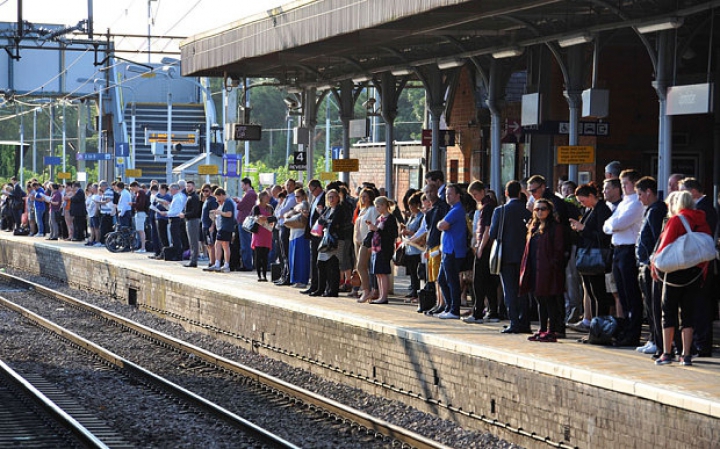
[[122, 240]]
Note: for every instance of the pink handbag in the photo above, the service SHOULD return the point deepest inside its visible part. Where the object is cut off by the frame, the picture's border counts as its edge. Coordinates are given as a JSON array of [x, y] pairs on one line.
[[317, 230]]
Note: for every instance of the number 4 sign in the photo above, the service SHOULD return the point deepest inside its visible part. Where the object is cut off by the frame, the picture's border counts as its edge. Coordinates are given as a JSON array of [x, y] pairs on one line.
[[299, 161]]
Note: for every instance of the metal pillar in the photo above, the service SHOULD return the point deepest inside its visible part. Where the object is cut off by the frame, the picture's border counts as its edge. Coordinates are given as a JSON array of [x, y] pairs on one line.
[[495, 92], [389, 93], [34, 156], [664, 67], [168, 150], [573, 95], [51, 150], [64, 138], [82, 133], [22, 151], [435, 89], [311, 108], [347, 113]]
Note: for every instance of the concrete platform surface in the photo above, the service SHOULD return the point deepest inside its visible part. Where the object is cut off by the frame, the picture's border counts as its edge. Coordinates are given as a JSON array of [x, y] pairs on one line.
[[695, 388]]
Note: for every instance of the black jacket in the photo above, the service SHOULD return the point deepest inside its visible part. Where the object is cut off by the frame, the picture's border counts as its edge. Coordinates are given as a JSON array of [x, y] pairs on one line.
[[650, 231], [592, 236], [193, 207], [77, 204]]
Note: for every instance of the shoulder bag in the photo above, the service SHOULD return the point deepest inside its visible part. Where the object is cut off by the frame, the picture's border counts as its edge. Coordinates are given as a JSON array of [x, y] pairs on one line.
[[250, 224], [496, 249], [591, 261], [688, 250]]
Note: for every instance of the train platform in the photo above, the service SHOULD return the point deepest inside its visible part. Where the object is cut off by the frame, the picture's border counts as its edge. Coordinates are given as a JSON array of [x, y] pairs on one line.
[[569, 393]]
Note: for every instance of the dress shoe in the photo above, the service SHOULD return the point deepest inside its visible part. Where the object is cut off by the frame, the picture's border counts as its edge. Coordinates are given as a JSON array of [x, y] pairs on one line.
[[330, 295], [190, 265], [511, 330], [307, 291], [316, 293], [379, 301]]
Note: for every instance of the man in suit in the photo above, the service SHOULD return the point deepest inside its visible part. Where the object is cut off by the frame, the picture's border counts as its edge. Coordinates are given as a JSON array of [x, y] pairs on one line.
[[18, 202], [704, 311], [512, 217], [316, 210]]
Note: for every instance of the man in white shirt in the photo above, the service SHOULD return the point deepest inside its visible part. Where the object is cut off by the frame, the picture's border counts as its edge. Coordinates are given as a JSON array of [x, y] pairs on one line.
[[124, 208], [624, 227], [283, 232], [174, 213]]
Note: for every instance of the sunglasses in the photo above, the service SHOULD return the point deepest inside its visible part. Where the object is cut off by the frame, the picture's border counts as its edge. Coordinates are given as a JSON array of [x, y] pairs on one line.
[[206, 191], [541, 209], [534, 190]]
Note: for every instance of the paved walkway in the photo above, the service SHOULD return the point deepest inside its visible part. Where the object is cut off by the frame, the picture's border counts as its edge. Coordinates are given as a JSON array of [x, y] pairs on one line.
[[694, 388]]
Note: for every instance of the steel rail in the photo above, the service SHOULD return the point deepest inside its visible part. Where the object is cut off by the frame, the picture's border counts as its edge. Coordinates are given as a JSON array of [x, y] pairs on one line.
[[334, 408], [66, 421], [138, 371]]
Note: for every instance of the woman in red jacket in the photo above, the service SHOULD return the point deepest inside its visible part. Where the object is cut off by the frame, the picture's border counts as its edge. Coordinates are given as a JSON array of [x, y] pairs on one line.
[[680, 288], [542, 270]]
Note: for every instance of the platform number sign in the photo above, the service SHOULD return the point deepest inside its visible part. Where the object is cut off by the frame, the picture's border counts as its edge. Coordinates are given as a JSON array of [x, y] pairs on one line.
[[299, 161]]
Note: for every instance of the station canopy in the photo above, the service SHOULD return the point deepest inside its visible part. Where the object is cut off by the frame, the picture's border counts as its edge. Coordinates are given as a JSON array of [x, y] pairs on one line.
[[321, 42]]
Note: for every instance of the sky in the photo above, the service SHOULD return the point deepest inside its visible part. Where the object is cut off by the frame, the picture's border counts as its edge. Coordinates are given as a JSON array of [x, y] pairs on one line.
[[168, 17]]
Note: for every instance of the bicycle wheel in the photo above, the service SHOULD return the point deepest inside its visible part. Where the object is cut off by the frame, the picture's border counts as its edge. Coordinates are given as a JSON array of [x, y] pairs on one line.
[[116, 242]]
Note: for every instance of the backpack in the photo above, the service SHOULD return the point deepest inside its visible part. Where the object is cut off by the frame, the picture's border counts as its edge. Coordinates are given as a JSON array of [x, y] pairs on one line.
[[603, 329]]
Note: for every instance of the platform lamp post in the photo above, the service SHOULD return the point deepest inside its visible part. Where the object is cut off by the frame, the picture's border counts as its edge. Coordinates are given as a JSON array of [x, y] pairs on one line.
[[101, 166]]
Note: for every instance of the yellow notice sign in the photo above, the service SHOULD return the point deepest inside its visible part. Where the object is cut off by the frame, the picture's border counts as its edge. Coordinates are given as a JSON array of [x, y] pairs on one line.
[[207, 169], [575, 154], [133, 172], [327, 176], [345, 165], [64, 175]]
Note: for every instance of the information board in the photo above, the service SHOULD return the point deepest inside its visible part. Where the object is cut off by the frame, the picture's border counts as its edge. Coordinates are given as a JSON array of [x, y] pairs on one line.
[[575, 154], [345, 165], [207, 169]]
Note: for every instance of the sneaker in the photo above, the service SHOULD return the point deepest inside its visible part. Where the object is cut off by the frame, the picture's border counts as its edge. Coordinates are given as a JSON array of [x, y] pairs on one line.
[[686, 360], [448, 316], [141, 251], [98, 244], [225, 269], [580, 326], [472, 319], [203, 258], [648, 348], [491, 318], [547, 337], [664, 359], [299, 285], [211, 268], [89, 243], [536, 336]]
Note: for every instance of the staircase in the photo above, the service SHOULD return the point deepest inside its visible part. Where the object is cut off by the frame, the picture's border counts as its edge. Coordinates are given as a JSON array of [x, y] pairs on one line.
[[153, 117]]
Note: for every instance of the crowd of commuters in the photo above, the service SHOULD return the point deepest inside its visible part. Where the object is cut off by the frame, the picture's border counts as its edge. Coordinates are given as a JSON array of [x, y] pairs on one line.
[[318, 239]]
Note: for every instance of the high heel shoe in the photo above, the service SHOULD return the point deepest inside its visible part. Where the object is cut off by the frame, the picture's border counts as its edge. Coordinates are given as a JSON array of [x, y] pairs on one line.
[[379, 301], [365, 297]]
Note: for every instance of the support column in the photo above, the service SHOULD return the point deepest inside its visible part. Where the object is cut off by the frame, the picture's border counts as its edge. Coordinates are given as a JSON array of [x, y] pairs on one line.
[[310, 109], [83, 111], [663, 80], [389, 93], [435, 89], [347, 113], [573, 95], [495, 93], [230, 116]]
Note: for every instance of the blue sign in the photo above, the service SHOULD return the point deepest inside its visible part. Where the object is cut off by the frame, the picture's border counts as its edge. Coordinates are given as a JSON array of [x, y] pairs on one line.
[[232, 165], [122, 149], [337, 152], [52, 160], [94, 157]]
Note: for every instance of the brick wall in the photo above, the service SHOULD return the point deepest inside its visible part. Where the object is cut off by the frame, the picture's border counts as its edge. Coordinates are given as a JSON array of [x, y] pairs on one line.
[[583, 415]]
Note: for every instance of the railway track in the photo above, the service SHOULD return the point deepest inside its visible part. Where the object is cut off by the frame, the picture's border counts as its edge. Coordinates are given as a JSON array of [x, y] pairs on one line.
[[28, 418], [347, 427]]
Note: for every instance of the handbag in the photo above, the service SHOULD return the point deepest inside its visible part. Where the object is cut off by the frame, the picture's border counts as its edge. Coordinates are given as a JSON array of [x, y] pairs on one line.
[[250, 224], [399, 256], [496, 249], [328, 243], [688, 250], [317, 230], [590, 261], [297, 221]]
